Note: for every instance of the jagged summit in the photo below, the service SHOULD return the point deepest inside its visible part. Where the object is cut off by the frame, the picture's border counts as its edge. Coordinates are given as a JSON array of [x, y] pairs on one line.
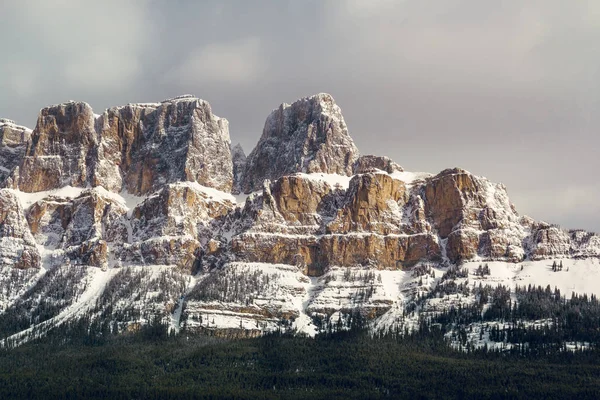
[[310, 135], [5, 122], [369, 163], [238, 150], [137, 148], [182, 98], [238, 157], [185, 97]]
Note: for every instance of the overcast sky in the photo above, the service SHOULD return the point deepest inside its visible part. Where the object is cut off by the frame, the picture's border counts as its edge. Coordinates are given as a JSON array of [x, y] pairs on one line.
[[509, 90]]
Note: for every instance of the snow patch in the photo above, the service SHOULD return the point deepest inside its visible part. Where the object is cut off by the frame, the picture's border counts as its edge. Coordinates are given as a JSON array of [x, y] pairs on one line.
[[410, 177], [333, 180], [28, 199], [211, 193]]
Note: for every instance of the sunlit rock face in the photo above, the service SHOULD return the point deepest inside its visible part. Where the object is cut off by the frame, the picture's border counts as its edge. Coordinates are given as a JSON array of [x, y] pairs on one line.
[[310, 135], [62, 149], [137, 148], [144, 146]]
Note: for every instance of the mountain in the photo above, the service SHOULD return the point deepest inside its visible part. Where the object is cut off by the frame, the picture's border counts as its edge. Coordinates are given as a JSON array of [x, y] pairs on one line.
[[310, 136], [114, 220], [138, 148]]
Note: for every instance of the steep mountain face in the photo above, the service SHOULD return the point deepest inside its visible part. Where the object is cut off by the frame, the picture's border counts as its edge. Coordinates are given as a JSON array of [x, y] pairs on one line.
[[131, 212], [238, 159], [61, 149], [13, 144], [308, 136], [144, 146], [370, 163], [17, 246], [138, 148]]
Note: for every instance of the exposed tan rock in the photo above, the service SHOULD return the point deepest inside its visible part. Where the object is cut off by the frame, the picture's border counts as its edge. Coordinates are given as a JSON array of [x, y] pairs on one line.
[[83, 227], [447, 195], [61, 149], [64, 223], [370, 163], [176, 226], [17, 246], [382, 252], [462, 245], [138, 147], [317, 254], [373, 204], [184, 208], [92, 252], [144, 146], [308, 136], [299, 199], [276, 249], [549, 241]]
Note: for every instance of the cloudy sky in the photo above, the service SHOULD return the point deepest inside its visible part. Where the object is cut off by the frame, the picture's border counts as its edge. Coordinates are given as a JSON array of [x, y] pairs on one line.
[[505, 89]]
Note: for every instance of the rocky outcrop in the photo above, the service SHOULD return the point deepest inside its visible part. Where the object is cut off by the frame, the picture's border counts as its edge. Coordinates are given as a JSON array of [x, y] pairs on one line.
[[379, 251], [300, 201], [452, 197], [62, 149], [373, 204], [314, 255], [13, 144], [144, 146], [308, 136], [304, 221], [475, 215], [138, 147], [370, 163], [17, 246], [176, 227], [549, 241], [97, 228], [238, 158], [179, 209], [83, 227]]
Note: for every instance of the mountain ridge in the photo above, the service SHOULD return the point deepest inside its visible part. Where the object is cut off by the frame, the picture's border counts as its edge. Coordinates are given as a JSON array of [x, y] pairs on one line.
[[145, 191]]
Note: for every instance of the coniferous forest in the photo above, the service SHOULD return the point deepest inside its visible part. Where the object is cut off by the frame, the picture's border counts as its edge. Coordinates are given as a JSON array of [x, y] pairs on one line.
[[353, 364]]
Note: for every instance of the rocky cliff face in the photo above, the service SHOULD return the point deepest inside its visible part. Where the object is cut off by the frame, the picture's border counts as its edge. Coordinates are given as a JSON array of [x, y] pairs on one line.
[[61, 149], [370, 163], [144, 146], [141, 193], [137, 148], [13, 144], [17, 246], [309, 136], [238, 158]]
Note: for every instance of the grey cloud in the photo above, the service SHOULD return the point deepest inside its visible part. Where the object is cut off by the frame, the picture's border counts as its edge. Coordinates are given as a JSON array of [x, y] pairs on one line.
[[508, 90]]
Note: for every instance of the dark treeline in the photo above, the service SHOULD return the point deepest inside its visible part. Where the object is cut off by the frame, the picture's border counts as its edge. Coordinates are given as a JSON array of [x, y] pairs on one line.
[[352, 364]]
